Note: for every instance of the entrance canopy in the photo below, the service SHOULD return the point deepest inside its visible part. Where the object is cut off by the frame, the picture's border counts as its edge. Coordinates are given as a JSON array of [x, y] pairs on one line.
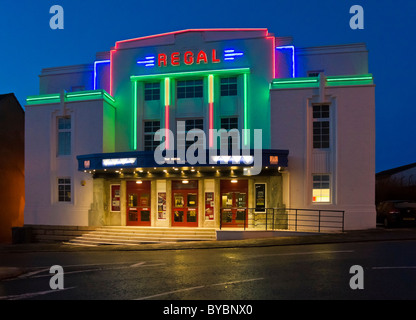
[[137, 162]]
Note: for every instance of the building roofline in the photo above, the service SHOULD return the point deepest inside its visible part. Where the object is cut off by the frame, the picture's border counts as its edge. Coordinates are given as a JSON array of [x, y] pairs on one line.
[[396, 170]]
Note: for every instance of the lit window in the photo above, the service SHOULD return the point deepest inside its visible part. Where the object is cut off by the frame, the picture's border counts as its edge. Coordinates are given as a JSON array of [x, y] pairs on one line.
[[321, 127], [64, 189], [64, 136], [150, 128], [229, 86], [152, 91], [190, 89], [321, 190]]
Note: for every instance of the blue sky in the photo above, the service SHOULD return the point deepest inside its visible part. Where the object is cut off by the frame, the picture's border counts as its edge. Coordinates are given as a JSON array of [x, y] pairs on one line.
[[28, 44]]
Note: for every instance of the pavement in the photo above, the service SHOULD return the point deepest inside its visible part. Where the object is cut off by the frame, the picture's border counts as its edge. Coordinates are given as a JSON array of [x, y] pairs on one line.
[[378, 234]]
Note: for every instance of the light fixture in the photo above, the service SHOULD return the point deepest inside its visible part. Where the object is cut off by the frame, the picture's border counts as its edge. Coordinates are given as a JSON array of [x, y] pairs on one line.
[[185, 181], [139, 181], [234, 181]]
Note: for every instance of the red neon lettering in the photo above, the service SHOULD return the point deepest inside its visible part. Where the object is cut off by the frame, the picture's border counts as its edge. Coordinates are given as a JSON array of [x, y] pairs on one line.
[[161, 58], [174, 59], [201, 56], [189, 57], [214, 56]]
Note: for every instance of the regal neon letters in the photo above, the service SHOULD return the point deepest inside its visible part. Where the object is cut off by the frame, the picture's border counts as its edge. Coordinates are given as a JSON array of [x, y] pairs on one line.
[[188, 58]]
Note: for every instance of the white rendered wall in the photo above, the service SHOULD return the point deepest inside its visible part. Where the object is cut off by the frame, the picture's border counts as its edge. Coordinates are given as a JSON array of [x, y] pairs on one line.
[[352, 159], [43, 166]]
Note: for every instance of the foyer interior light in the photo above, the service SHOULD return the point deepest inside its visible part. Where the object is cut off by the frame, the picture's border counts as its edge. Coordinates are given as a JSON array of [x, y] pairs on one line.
[[185, 181], [139, 181], [234, 181]]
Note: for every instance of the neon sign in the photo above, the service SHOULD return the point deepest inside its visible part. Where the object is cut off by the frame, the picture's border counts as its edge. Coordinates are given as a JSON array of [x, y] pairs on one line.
[[188, 58]]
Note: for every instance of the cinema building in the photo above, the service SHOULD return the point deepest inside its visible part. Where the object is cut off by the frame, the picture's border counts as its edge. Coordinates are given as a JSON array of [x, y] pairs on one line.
[[111, 143]]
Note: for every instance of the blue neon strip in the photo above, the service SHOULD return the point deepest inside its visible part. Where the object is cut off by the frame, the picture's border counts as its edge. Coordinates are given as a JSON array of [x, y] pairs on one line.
[[293, 56], [149, 61], [95, 71], [230, 54]]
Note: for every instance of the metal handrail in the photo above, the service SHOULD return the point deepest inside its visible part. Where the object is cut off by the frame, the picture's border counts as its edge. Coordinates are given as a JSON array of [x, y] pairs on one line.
[[282, 218]]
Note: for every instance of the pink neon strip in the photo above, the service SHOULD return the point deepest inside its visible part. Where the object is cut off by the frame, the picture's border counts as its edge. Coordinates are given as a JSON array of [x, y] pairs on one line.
[[111, 72], [211, 124], [274, 55]]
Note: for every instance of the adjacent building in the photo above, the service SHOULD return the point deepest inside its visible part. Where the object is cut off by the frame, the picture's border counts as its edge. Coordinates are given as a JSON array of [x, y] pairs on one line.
[[203, 128], [12, 184]]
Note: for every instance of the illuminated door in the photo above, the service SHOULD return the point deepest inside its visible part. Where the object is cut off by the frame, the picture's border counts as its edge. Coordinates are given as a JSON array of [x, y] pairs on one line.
[[185, 203], [234, 203], [138, 203]]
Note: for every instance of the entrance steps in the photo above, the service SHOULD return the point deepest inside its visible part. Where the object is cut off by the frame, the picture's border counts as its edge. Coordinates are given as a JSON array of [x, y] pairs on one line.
[[125, 235]]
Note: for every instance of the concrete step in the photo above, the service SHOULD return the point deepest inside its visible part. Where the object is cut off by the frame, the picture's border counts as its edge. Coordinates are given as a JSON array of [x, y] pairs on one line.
[[141, 235]]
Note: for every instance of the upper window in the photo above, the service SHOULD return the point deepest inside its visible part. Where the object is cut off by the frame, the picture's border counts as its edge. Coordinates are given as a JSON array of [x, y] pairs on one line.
[[150, 128], [229, 86], [152, 91], [321, 131], [64, 136], [314, 73], [190, 89]]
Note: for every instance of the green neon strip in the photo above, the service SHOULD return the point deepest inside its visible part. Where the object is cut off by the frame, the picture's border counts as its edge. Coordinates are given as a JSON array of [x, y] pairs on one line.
[[70, 97], [294, 83], [245, 110], [193, 73], [350, 80], [41, 99], [135, 115], [364, 79]]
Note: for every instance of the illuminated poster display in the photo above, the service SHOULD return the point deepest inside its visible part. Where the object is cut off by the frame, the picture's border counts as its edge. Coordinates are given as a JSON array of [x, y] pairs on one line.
[[115, 198], [161, 205], [209, 205], [260, 189]]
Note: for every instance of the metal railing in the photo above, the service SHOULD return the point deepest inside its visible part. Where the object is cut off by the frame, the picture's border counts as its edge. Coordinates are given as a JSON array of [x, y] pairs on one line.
[[293, 219]]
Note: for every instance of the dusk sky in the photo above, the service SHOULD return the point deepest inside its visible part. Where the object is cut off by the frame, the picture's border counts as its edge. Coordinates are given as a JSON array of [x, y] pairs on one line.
[[90, 26]]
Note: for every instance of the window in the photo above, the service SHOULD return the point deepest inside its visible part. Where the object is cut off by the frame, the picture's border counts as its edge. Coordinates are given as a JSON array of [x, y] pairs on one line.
[[189, 125], [314, 73], [150, 128], [190, 89], [64, 189], [228, 124], [229, 86], [77, 88], [321, 126], [152, 91], [321, 190], [64, 136]]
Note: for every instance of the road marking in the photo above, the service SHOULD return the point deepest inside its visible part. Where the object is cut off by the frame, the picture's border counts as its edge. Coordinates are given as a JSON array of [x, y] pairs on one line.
[[31, 294], [137, 265], [198, 287], [299, 253], [402, 267]]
